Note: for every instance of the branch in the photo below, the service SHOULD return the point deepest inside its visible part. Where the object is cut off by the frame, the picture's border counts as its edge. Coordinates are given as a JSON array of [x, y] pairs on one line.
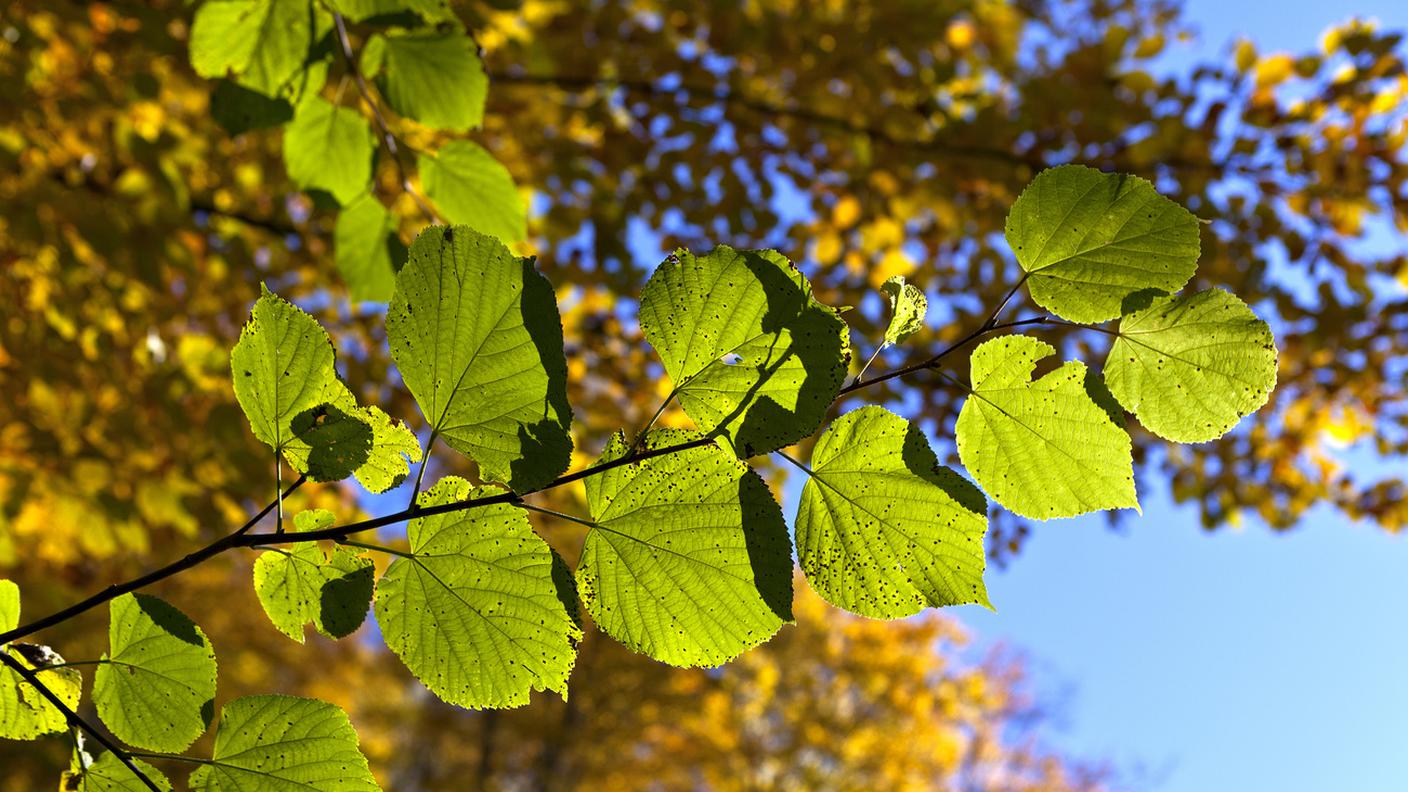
[[767, 108], [388, 139], [74, 719], [113, 592]]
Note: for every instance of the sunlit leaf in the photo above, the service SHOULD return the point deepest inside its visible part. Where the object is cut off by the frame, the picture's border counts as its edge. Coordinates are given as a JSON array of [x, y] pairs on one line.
[[435, 78], [883, 530], [1191, 367], [480, 610], [263, 42], [753, 356], [1090, 240], [284, 744], [477, 337], [1043, 448], [298, 584], [329, 148], [908, 305], [155, 688], [24, 713], [109, 774], [688, 559]]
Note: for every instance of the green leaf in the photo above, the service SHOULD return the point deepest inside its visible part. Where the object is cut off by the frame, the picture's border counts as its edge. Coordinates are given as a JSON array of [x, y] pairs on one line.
[[284, 744], [329, 148], [908, 305], [9, 605], [480, 610], [471, 187], [109, 774], [359, 10], [298, 584], [155, 688], [239, 109], [286, 382], [688, 559], [266, 43], [435, 78], [1089, 240], [1042, 449], [1191, 367], [882, 529], [24, 713], [753, 356], [368, 249], [477, 337]]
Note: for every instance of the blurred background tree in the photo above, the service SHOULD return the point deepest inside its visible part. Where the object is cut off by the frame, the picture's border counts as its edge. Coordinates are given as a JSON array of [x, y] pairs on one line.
[[862, 139]]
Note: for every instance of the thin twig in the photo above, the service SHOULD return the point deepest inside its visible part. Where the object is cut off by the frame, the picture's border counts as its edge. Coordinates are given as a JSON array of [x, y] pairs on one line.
[[950, 349], [388, 138], [74, 719], [117, 590], [557, 514]]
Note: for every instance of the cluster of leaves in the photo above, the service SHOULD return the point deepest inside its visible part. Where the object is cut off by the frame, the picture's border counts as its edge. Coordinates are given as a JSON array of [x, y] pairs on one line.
[[271, 60], [687, 557]]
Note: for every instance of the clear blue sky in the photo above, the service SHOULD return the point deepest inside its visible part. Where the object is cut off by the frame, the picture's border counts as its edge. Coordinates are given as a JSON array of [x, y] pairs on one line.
[[1239, 660]]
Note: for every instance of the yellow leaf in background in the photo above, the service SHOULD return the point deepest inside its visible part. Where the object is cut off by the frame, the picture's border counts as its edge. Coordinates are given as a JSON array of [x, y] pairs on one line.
[[960, 34], [1273, 70], [895, 262], [1150, 46], [1245, 56], [846, 212], [827, 248]]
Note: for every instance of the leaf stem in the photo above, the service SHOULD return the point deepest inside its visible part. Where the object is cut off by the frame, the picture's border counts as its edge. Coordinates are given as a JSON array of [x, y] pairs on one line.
[[557, 514], [873, 356], [794, 461], [75, 721], [377, 548], [424, 463], [171, 757]]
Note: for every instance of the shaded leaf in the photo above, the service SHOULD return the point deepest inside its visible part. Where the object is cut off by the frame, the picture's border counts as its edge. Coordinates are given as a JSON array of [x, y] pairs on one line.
[[435, 78], [688, 559], [1042, 449], [367, 248], [753, 356], [477, 337], [329, 148], [469, 186], [479, 610], [882, 529], [298, 584]]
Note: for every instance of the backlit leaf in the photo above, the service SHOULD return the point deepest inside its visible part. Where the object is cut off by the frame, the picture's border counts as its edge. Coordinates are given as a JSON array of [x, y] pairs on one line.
[[477, 337], [435, 78], [367, 249], [1042, 449], [480, 610], [109, 774], [753, 356], [882, 529], [284, 744], [688, 559], [1191, 367], [908, 305], [155, 688], [24, 713], [298, 583], [265, 43], [1090, 240]]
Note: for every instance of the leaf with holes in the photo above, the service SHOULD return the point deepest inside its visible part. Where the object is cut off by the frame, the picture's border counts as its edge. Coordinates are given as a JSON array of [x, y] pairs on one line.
[[481, 610], [1090, 240], [908, 305], [1055, 447], [753, 356], [284, 744], [1191, 367], [109, 774], [286, 382], [477, 337], [687, 559], [882, 529], [469, 186], [155, 688], [299, 584], [25, 714]]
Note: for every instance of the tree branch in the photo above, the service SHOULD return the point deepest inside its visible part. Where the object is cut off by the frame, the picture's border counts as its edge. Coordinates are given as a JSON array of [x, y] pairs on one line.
[[74, 719], [388, 139]]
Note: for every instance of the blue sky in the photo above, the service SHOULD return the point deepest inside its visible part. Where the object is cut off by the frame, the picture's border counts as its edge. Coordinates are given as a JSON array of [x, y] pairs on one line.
[[1239, 660]]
